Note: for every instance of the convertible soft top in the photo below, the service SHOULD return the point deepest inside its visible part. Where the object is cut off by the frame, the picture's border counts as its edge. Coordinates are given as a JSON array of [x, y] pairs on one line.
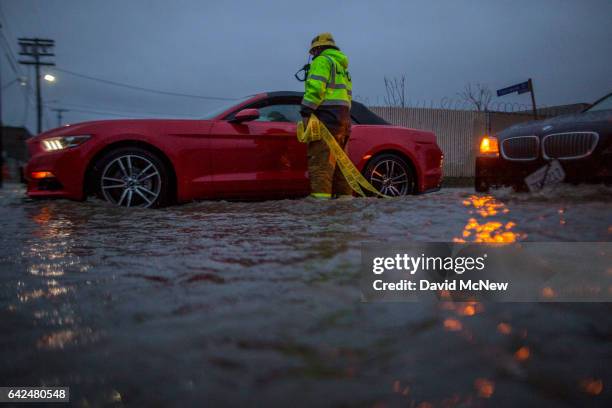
[[360, 113]]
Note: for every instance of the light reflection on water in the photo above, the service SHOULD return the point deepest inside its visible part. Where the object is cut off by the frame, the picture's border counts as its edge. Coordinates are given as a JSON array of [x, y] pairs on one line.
[[209, 298], [488, 231]]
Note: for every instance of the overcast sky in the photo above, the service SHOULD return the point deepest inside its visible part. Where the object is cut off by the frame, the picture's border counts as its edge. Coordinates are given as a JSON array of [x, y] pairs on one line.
[[236, 48]]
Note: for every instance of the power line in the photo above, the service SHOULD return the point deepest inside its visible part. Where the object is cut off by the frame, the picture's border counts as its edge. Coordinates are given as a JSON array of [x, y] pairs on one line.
[[38, 49], [42, 22], [9, 83], [8, 50], [6, 25], [9, 55], [97, 112], [102, 108], [28, 90], [122, 112], [139, 88]]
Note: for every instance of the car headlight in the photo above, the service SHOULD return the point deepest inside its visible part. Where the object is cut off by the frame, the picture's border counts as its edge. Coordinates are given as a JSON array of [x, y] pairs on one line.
[[63, 142], [489, 146]]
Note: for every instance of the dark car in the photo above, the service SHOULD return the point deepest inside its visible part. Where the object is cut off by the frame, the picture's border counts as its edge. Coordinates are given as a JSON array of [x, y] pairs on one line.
[[578, 146]]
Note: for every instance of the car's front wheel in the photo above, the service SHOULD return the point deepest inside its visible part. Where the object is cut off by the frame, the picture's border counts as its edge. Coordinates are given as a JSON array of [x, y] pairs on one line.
[[391, 175], [132, 177]]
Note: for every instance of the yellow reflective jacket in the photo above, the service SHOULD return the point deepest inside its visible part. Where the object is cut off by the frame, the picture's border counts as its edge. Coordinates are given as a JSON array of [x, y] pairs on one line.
[[328, 82]]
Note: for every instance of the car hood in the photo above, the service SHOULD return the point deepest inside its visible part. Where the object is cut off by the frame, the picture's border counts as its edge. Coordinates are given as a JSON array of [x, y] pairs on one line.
[[111, 126], [576, 121]]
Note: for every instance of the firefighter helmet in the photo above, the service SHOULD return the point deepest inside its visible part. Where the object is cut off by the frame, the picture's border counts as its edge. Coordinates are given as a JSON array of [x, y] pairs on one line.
[[324, 39]]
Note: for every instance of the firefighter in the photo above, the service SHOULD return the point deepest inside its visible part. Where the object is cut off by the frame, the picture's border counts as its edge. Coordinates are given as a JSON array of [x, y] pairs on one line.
[[328, 96]]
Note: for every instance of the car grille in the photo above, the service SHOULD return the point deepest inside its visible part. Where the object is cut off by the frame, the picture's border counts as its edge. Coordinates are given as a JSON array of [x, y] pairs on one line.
[[570, 145], [520, 148]]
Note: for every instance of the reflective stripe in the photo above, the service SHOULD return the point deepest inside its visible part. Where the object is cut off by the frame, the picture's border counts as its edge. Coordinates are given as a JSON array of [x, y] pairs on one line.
[[318, 78], [309, 104], [332, 81], [336, 102], [330, 85], [316, 130], [320, 195]]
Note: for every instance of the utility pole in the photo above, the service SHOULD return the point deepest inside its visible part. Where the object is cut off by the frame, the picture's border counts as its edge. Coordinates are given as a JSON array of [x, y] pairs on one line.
[[59, 112], [37, 48]]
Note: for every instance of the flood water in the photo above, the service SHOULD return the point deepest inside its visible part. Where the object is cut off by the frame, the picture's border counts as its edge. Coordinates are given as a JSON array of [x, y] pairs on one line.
[[233, 303]]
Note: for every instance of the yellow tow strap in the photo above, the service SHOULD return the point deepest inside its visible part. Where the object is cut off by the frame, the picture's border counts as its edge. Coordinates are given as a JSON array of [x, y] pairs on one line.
[[317, 131]]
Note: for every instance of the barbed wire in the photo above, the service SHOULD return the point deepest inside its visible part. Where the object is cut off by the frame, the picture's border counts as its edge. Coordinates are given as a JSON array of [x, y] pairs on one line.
[[447, 103]]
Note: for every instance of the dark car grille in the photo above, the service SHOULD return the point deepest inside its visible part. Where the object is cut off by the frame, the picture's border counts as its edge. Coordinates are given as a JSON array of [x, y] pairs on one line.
[[520, 148], [570, 145]]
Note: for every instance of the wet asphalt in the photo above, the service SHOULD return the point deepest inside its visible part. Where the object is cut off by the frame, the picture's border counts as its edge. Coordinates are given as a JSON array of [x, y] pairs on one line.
[[237, 303]]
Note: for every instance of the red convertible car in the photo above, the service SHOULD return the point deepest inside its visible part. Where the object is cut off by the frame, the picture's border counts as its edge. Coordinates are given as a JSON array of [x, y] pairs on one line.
[[246, 151]]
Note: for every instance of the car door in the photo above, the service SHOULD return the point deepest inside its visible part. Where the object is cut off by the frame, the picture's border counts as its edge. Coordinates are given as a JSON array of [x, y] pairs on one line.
[[260, 158]]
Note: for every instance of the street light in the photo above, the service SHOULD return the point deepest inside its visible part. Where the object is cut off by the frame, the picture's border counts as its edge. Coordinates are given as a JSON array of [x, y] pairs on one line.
[[49, 78]]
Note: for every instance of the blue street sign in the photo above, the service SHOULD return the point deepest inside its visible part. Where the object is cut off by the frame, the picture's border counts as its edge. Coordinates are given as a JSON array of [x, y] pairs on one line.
[[519, 88]]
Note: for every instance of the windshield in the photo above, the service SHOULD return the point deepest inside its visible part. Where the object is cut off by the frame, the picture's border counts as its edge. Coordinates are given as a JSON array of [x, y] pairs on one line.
[[604, 104], [225, 106]]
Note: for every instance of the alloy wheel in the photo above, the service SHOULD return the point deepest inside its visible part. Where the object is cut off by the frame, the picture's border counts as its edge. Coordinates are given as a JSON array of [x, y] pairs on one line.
[[391, 178], [131, 181]]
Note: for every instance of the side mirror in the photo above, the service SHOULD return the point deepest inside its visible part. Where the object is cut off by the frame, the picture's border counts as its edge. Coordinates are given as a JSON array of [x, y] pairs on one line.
[[246, 115]]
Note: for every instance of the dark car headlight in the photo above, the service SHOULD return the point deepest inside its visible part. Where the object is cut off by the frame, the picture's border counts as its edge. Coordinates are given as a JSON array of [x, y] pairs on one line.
[[64, 142]]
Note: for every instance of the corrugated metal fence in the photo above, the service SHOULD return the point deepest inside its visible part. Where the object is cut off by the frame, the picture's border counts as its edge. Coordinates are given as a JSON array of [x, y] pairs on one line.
[[458, 131]]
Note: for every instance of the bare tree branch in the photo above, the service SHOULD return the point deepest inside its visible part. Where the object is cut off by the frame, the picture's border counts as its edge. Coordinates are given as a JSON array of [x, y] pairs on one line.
[[480, 96], [396, 91]]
